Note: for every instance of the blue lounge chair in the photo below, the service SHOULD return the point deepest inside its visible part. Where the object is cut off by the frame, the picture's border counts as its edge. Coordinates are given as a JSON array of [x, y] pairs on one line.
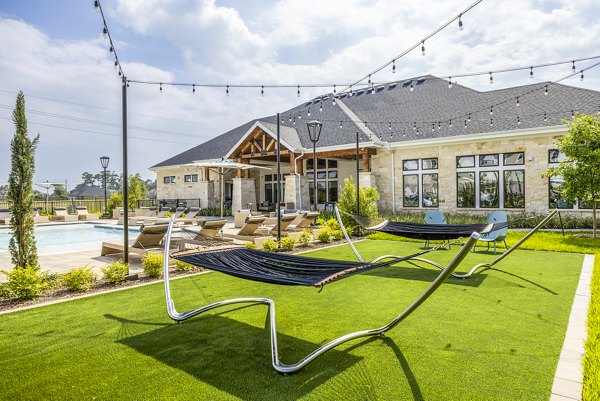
[[498, 235], [434, 217]]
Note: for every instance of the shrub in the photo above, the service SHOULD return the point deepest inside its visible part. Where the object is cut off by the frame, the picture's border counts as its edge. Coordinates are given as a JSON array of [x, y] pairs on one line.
[[153, 264], [333, 224], [287, 243], [305, 238], [320, 220], [336, 234], [24, 283], [347, 203], [50, 280], [4, 290], [115, 272], [181, 266], [79, 278], [270, 245], [250, 245], [324, 235]]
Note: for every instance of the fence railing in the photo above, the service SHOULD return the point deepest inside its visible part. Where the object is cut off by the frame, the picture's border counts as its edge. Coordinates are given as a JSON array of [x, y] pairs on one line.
[[93, 205], [211, 210]]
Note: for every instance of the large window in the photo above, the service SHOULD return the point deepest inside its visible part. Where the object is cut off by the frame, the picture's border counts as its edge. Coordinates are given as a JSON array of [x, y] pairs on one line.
[[190, 178], [170, 179], [555, 186], [491, 181], [271, 187], [420, 183], [327, 180]]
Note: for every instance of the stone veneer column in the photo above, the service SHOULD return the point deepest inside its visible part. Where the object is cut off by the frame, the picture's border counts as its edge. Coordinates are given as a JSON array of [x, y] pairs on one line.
[[299, 199], [244, 192], [206, 193], [367, 179]]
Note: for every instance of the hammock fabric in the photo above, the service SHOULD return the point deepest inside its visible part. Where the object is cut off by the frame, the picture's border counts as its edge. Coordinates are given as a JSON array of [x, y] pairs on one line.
[[277, 268], [435, 231]]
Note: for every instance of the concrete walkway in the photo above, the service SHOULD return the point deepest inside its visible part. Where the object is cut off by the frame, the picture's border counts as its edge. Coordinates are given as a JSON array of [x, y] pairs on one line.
[[568, 378]]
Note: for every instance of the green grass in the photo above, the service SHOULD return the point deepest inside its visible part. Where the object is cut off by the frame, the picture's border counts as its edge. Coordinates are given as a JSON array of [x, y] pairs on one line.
[[496, 336], [591, 361]]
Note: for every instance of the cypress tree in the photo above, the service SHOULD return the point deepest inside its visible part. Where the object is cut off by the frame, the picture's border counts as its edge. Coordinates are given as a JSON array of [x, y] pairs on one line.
[[22, 244]]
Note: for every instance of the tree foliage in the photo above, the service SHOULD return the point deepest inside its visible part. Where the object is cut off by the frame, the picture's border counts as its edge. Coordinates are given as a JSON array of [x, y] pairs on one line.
[[22, 244], [347, 203], [60, 191], [581, 169]]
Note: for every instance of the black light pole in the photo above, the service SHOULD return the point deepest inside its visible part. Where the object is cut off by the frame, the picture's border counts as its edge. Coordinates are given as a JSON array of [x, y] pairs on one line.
[[278, 183], [314, 133], [357, 175], [125, 176], [104, 162]]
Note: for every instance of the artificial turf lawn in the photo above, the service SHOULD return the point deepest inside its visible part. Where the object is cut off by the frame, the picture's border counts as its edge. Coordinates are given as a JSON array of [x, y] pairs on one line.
[[496, 335]]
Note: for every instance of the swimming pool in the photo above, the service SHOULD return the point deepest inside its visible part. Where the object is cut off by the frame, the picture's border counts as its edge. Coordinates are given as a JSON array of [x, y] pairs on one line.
[[70, 237]]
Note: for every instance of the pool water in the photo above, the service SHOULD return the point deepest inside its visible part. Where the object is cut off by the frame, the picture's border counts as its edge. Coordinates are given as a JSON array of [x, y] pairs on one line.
[[70, 237]]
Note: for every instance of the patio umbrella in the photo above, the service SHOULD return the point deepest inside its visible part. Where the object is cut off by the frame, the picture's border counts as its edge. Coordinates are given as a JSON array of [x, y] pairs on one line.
[[223, 167]]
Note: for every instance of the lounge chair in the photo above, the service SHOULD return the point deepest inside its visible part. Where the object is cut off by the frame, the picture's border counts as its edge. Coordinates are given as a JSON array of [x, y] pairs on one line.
[[39, 219], [497, 235], [286, 220], [435, 217], [83, 214], [61, 214], [155, 219], [149, 239], [248, 231], [210, 229], [191, 217], [303, 221], [139, 219], [5, 216]]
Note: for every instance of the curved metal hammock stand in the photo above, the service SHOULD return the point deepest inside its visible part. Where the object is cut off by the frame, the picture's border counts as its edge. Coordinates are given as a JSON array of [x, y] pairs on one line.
[[299, 262], [456, 275]]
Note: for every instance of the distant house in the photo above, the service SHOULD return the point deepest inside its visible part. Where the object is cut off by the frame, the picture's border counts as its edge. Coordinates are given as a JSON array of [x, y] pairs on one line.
[[88, 192], [425, 143]]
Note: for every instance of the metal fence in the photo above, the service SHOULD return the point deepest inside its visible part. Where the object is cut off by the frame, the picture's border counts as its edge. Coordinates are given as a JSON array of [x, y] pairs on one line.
[[93, 205], [211, 210]]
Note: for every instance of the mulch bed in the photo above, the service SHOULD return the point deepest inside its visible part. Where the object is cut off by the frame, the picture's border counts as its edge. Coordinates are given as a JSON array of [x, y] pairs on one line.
[[7, 304]]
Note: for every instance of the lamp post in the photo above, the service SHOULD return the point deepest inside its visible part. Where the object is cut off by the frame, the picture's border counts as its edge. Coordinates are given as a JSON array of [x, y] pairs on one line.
[[314, 133], [104, 162]]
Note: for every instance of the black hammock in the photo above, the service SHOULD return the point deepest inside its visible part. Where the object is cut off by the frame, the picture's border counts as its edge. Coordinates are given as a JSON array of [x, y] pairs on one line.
[[278, 268], [435, 231]]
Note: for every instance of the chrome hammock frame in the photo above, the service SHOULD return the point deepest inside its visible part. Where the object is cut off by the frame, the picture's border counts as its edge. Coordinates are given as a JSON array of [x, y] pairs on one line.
[[456, 275], [284, 368]]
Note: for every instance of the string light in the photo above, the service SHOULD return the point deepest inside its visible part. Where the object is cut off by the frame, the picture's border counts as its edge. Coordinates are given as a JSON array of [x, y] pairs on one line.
[[111, 49], [491, 110], [160, 87], [546, 90], [334, 90], [97, 5], [282, 120], [393, 66], [333, 102], [299, 116], [572, 114], [105, 32], [440, 125], [518, 120], [290, 118], [350, 94], [298, 90], [491, 78], [404, 132], [414, 125], [341, 126], [193, 88], [531, 72], [417, 131], [573, 68], [369, 80], [412, 88], [450, 123], [423, 48], [518, 103], [262, 91], [465, 123], [545, 117], [449, 82], [491, 122], [581, 77], [227, 90], [390, 125], [116, 64], [432, 127], [460, 23], [321, 106], [308, 113], [294, 121], [469, 117]]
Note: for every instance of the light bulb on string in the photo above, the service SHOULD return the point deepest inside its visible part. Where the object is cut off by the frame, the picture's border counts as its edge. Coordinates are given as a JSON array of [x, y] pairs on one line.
[[491, 122], [546, 90], [97, 5], [334, 90], [294, 121], [369, 79], [321, 106], [290, 118], [341, 126], [417, 131], [262, 91], [545, 117], [193, 88], [573, 67], [460, 23], [572, 114], [412, 88], [414, 126], [491, 78], [465, 123], [350, 94], [390, 125], [403, 132], [581, 77], [393, 66], [299, 116], [298, 90], [116, 64], [160, 87], [518, 120], [227, 90], [469, 117], [491, 110], [282, 120], [333, 102], [423, 48], [105, 32], [450, 125], [439, 125], [449, 82], [518, 103], [111, 49], [432, 127], [531, 72], [308, 113]]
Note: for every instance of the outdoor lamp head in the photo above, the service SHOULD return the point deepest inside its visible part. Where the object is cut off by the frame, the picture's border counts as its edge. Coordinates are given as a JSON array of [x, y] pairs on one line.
[[314, 130], [104, 161]]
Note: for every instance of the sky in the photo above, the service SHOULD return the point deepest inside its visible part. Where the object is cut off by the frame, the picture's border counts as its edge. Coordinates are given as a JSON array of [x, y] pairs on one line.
[[55, 53]]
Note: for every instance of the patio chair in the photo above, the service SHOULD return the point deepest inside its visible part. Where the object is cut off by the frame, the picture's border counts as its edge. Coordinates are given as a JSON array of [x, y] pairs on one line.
[[155, 219], [83, 214], [39, 219], [286, 220], [149, 239], [304, 220], [192, 216], [61, 214], [435, 217], [497, 235], [5, 216], [248, 231]]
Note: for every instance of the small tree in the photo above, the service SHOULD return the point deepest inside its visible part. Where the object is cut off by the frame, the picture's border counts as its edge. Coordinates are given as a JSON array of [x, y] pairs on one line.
[[347, 203], [60, 191], [581, 169], [22, 244]]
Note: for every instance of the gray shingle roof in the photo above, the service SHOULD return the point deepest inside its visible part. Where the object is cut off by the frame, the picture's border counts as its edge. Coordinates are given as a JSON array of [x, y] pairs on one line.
[[431, 104]]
